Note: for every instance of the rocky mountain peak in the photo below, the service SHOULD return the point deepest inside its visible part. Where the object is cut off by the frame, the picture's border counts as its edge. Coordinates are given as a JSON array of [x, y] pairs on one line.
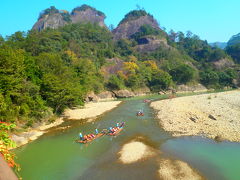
[[54, 18], [85, 14], [132, 22]]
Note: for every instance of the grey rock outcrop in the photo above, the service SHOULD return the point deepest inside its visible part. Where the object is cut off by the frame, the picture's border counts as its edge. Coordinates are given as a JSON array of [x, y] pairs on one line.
[[89, 15], [193, 88], [151, 44], [19, 140], [59, 18], [91, 97], [52, 21], [106, 95], [123, 93], [126, 29], [142, 91], [112, 67]]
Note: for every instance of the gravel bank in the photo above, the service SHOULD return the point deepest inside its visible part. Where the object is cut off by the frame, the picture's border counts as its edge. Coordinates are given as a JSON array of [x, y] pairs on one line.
[[214, 115]]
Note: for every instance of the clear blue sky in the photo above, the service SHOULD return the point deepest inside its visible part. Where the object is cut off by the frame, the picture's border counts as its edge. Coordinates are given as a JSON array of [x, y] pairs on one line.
[[212, 20]]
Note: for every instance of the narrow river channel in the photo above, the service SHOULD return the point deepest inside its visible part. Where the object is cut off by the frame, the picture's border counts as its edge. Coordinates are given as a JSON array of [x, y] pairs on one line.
[[55, 155]]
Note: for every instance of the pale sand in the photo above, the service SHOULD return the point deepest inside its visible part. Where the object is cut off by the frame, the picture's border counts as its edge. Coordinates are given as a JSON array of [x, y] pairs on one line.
[[177, 170], [186, 116], [134, 151], [91, 110]]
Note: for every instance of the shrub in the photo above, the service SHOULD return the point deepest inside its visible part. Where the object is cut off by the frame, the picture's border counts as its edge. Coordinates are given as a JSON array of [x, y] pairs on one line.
[[182, 74], [160, 80]]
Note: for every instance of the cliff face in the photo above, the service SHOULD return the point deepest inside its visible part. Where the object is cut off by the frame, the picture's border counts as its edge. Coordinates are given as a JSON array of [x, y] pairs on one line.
[[129, 27], [89, 15], [144, 29], [149, 44], [54, 18], [52, 21]]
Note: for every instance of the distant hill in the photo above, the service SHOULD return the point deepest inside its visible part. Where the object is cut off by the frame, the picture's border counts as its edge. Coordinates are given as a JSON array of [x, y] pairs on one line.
[[220, 45], [235, 39]]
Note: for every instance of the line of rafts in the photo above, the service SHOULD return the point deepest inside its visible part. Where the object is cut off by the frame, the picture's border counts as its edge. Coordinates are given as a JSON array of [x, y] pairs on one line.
[[112, 131]]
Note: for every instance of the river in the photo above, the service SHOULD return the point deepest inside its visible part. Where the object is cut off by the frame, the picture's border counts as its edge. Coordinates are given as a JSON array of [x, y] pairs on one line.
[[55, 155]]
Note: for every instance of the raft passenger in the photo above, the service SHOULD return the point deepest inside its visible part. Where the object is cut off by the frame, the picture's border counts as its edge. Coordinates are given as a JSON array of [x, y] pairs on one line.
[[80, 136]]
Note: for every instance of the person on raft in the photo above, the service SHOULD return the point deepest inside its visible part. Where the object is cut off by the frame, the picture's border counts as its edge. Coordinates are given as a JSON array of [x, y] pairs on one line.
[[140, 113], [122, 124], [86, 137], [114, 129], [81, 136]]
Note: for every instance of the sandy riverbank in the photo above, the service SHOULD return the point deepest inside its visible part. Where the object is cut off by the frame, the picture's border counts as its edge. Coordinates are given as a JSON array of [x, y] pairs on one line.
[[90, 111], [135, 151], [215, 115]]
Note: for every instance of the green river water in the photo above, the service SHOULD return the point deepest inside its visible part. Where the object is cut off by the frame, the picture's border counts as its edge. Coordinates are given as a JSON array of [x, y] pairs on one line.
[[55, 155]]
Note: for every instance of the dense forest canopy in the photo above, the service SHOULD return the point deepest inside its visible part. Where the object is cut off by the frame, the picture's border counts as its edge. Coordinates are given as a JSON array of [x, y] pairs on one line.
[[42, 73]]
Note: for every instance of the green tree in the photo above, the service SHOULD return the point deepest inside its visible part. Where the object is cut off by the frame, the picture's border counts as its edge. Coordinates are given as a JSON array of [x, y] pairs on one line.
[[160, 80], [182, 73], [60, 92], [60, 85], [209, 78], [115, 83], [217, 55], [11, 70], [234, 52]]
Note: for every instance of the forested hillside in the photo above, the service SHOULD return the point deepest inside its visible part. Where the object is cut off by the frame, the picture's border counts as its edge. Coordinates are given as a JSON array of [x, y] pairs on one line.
[[44, 72]]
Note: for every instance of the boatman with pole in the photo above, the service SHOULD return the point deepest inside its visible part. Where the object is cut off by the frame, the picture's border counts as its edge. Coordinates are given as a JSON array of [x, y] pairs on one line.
[[96, 131], [81, 136]]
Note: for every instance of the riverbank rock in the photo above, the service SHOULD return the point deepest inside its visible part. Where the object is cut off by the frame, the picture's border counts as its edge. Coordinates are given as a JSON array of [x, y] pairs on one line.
[[142, 91], [212, 117], [106, 95], [194, 88], [26, 137], [167, 92], [91, 97], [123, 94], [19, 140]]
